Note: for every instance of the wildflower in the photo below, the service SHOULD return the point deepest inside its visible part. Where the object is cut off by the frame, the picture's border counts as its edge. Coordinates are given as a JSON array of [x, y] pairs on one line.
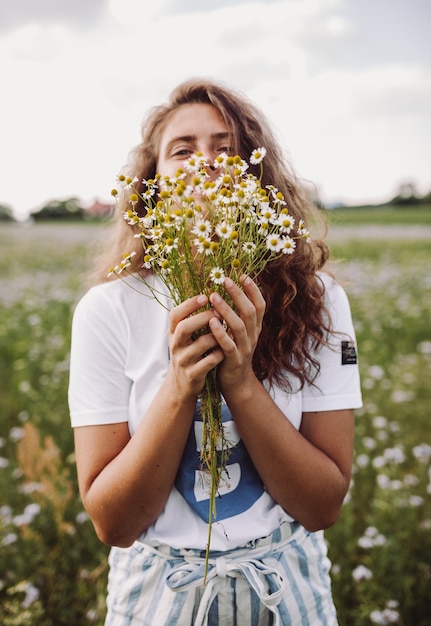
[[257, 156], [361, 573], [385, 617], [249, 246], [371, 538], [220, 160], [148, 261], [202, 227], [224, 230], [171, 244], [82, 517], [130, 182], [394, 455], [383, 481], [362, 460], [380, 422], [217, 275], [203, 245], [30, 512], [148, 193], [422, 452], [195, 163], [369, 443], [377, 372], [286, 222], [273, 242], [267, 215], [416, 501], [303, 232], [16, 433], [31, 593], [287, 245], [410, 480], [8, 539], [425, 347], [402, 395]]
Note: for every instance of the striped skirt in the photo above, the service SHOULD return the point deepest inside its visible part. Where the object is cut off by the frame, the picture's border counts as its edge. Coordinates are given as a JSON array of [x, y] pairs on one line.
[[280, 580]]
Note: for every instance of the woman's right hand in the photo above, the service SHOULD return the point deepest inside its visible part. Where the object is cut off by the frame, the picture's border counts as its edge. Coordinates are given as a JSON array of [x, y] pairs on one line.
[[193, 349]]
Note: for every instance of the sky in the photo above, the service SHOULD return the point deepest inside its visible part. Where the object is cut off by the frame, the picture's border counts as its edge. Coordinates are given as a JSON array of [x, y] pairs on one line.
[[346, 85]]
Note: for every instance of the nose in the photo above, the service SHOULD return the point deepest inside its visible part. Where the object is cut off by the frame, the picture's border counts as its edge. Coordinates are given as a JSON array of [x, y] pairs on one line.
[[211, 169]]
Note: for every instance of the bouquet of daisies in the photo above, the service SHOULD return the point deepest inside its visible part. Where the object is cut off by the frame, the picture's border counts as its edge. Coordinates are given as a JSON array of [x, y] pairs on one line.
[[195, 231]]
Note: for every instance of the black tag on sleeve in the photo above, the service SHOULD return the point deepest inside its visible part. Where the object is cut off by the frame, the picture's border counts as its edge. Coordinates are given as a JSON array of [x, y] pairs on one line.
[[348, 353]]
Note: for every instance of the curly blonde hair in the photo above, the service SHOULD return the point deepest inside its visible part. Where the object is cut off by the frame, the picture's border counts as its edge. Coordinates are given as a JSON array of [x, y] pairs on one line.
[[296, 321]]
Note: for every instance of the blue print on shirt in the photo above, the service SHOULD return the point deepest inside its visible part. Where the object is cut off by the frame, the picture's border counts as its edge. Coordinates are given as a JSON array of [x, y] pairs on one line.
[[241, 485]]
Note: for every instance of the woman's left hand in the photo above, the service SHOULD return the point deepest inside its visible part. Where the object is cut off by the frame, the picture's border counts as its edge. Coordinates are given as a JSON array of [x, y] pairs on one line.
[[239, 339]]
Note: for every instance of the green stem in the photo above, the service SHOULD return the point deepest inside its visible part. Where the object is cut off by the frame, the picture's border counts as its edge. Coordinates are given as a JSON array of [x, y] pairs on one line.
[[212, 439]]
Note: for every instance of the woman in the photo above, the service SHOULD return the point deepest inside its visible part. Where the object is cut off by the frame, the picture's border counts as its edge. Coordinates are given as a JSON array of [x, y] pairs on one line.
[[288, 374]]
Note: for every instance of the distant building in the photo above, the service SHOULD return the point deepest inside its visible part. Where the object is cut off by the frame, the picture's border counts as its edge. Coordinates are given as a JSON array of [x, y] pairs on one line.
[[100, 209]]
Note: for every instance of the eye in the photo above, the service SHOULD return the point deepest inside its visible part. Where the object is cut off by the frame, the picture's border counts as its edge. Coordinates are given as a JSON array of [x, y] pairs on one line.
[[182, 152]]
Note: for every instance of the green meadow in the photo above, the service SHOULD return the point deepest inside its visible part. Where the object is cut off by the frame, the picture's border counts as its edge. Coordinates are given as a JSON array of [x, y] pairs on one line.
[[53, 568]]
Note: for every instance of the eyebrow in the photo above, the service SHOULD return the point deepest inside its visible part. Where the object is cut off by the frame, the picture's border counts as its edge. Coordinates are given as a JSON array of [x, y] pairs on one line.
[[191, 138]]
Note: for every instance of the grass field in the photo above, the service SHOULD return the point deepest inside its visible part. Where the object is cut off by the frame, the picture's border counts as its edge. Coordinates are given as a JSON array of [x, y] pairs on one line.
[[52, 567], [386, 215]]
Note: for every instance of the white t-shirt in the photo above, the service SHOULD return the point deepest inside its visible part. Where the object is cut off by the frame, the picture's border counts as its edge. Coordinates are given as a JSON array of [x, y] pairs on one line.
[[119, 359]]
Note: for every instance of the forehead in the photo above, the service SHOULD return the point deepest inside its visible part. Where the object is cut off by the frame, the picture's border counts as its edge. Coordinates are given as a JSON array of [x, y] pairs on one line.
[[191, 118]]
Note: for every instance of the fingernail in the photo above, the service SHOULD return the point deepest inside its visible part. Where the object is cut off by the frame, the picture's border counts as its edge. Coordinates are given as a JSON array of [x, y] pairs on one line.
[[215, 298], [228, 282], [202, 299], [214, 322]]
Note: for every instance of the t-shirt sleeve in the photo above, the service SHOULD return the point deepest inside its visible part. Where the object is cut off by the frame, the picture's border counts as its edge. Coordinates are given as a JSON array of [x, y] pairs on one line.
[[98, 385], [337, 385]]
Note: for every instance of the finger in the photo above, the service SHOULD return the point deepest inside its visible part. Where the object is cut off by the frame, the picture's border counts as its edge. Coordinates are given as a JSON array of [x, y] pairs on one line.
[[254, 294], [185, 309], [224, 337], [232, 334], [245, 307], [202, 346]]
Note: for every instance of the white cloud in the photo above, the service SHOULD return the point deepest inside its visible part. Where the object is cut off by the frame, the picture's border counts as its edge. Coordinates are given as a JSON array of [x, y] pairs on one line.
[[132, 12], [17, 13], [75, 100]]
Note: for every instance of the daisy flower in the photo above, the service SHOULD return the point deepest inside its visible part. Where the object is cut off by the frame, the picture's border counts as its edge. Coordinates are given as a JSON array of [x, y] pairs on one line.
[[267, 215], [202, 227], [195, 163], [286, 222], [170, 244], [257, 156], [224, 230], [220, 160], [273, 242], [249, 247], [287, 245], [302, 231], [203, 245], [217, 275]]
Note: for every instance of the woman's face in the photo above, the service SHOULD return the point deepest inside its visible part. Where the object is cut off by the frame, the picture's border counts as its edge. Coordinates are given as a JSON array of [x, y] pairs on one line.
[[192, 128]]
